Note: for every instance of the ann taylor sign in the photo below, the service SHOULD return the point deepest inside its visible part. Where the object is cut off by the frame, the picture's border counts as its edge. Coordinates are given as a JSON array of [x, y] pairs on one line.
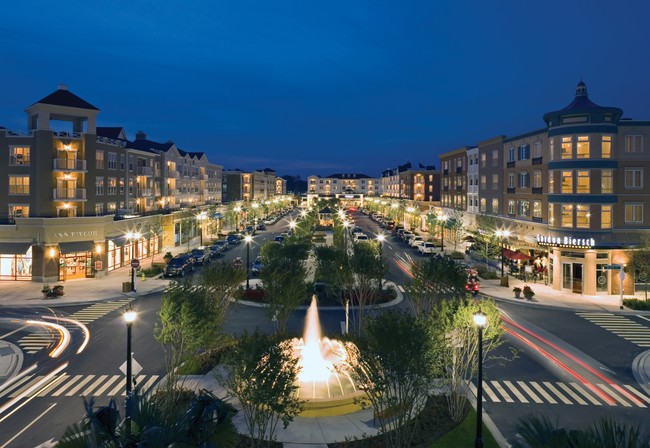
[[565, 241], [77, 234]]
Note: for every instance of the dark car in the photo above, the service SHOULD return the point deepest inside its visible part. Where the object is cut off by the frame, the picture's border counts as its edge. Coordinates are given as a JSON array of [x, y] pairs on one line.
[[257, 266], [222, 245], [178, 267], [261, 226], [279, 239], [201, 256], [249, 230], [233, 239]]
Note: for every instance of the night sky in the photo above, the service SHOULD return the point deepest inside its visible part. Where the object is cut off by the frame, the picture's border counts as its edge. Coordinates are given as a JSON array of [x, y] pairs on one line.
[[316, 87]]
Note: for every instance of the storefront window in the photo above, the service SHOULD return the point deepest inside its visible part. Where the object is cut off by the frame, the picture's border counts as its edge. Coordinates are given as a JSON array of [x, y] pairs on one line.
[[16, 266], [601, 278]]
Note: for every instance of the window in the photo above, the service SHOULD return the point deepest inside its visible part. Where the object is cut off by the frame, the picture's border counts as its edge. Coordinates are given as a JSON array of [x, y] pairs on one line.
[[524, 179], [567, 181], [112, 186], [567, 148], [524, 152], [511, 180], [634, 213], [19, 155], [99, 209], [18, 211], [567, 216], [582, 183], [537, 179], [582, 149], [111, 161], [537, 150], [483, 182], [606, 181], [606, 147], [633, 143], [634, 178], [121, 186], [99, 160], [551, 214], [131, 164], [605, 216], [122, 160], [551, 148], [495, 181], [582, 216], [495, 206], [511, 207], [111, 208], [523, 208], [495, 158], [537, 209], [18, 184], [551, 182], [99, 186], [483, 205], [511, 154]]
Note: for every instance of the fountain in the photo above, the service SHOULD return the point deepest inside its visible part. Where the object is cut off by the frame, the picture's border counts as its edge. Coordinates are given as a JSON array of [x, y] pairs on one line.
[[323, 380]]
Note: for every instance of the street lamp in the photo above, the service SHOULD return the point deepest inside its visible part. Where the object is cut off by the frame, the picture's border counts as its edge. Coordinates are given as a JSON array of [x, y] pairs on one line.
[[129, 317], [442, 218], [201, 218], [131, 236], [237, 210], [292, 226], [502, 234], [346, 224], [248, 240], [480, 320], [380, 239]]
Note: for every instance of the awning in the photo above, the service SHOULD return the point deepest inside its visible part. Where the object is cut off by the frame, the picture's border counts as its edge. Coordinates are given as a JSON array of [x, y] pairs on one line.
[[118, 240], [512, 255], [76, 246], [14, 248]]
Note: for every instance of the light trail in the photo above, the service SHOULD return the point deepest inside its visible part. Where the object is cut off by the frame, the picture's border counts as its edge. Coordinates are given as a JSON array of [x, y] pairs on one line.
[[12, 380], [63, 341], [80, 325]]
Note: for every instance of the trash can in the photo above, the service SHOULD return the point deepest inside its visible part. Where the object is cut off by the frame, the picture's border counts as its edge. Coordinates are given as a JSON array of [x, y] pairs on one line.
[[126, 286]]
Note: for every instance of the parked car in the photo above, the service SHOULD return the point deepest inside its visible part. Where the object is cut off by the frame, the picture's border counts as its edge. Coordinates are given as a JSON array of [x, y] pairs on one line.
[[279, 239], [427, 248], [261, 226], [414, 241], [257, 266], [201, 255], [222, 245], [360, 237], [395, 230], [406, 235], [249, 230], [233, 239], [178, 267]]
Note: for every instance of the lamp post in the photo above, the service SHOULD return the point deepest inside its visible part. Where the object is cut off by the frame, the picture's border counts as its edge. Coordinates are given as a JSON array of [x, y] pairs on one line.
[[292, 226], [502, 234], [345, 234], [410, 211], [380, 239], [129, 317], [248, 240], [237, 210], [201, 218], [133, 237], [480, 320], [442, 218]]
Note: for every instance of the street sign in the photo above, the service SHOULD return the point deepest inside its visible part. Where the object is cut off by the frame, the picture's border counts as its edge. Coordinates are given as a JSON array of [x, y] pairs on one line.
[[135, 367], [612, 267], [135, 263]]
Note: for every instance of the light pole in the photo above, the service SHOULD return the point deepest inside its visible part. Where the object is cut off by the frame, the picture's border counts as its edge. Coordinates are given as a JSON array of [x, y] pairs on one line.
[[237, 210], [248, 240], [133, 237], [442, 218], [480, 320], [129, 317], [200, 218], [410, 211], [502, 234], [380, 239], [292, 226]]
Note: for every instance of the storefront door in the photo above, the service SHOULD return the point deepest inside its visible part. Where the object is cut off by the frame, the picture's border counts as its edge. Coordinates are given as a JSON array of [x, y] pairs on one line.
[[577, 278], [77, 265]]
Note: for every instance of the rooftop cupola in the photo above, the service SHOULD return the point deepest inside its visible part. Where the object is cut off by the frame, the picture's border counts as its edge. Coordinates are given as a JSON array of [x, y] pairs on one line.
[[581, 89]]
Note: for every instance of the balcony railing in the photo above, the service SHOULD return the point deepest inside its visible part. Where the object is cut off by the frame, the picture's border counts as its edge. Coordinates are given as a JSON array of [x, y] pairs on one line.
[[144, 192], [538, 190], [537, 219], [69, 165], [510, 164], [537, 160], [145, 171], [510, 190], [69, 194], [459, 169]]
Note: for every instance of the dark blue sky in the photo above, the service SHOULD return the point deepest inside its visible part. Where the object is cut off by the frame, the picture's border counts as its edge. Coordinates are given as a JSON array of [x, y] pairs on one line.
[[309, 87]]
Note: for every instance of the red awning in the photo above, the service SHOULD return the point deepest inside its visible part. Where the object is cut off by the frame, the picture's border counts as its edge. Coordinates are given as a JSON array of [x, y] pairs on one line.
[[512, 255]]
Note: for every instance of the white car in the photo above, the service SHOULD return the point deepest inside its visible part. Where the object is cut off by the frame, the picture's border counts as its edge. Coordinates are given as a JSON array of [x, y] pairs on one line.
[[360, 237], [416, 240], [427, 248]]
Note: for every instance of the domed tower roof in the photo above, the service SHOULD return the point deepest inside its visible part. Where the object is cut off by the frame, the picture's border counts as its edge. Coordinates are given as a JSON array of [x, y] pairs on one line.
[[582, 106]]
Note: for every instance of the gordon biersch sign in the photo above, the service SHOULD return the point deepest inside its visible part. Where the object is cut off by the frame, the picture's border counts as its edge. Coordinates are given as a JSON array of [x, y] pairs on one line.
[[565, 241]]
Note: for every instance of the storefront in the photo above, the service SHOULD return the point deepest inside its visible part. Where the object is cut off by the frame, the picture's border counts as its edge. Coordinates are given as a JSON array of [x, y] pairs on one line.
[[16, 261], [76, 260]]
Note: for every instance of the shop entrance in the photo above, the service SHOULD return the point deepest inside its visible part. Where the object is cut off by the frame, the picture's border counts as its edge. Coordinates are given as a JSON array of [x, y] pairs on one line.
[[76, 265], [572, 277]]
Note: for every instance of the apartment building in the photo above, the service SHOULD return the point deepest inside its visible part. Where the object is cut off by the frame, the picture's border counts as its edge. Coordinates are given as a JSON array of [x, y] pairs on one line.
[[258, 185], [472, 180], [454, 179], [343, 183], [80, 200], [573, 193], [415, 184]]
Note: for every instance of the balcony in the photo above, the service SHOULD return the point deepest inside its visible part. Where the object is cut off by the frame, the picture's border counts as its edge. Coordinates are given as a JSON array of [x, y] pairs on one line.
[[445, 172], [69, 165], [69, 194], [459, 170], [144, 192], [510, 190], [537, 160], [173, 174], [537, 219], [510, 164], [145, 171], [459, 188], [538, 190]]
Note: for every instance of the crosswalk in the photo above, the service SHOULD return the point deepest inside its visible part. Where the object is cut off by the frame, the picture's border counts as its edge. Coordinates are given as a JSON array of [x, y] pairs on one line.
[[38, 339], [65, 385], [98, 310], [548, 392], [620, 326]]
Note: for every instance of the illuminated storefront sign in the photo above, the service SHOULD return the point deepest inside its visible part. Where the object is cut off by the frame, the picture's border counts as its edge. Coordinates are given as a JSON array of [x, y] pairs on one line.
[[565, 241]]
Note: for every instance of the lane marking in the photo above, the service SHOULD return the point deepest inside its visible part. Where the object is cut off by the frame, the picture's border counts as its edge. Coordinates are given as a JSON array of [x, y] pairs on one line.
[[514, 390], [530, 393], [544, 394], [572, 394], [586, 394], [26, 427]]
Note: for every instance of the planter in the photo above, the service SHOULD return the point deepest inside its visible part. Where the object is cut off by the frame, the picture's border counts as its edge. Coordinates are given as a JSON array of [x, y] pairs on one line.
[[517, 294], [529, 296]]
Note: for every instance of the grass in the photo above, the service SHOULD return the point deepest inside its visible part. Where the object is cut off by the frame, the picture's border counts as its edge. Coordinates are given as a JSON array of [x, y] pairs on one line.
[[464, 435]]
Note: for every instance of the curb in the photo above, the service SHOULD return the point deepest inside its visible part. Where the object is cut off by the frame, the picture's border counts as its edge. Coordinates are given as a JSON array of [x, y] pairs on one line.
[[500, 439], [641, 370]]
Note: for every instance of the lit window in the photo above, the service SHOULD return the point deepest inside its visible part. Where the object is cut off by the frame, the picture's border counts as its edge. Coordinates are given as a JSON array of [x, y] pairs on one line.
[[112, 186], [551, 214], [511, 180], [582, 216], [606, 147], [582, 149], [537, 209], [495, 181], [567, 216], [99, 186], [567, 181], [605, 216], [606, 181], [567, 148], [634, 213], [19, 155], [483, 182], [495, 206], [18, 211], [511, 207], [537, 150], [551, 182], [634, 178], [537, 179], [524, 208], [633, 143], [18, 184], [99, 160], [483, 205], [495, 158], [582, 184]]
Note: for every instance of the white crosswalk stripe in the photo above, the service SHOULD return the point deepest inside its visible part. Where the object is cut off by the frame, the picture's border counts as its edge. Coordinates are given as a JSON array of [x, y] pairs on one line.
[[98, 310], [37, 340], [546, 392], [621, 326], [81, 386]]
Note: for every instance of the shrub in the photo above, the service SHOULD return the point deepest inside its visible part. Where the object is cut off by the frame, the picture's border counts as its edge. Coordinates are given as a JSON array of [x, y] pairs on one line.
[[637, 304], [485, 274], [152, 271], [457, 255]]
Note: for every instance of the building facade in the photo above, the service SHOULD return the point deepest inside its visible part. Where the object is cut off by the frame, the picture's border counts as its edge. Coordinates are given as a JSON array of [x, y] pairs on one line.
[[343, 183], [415, 184]]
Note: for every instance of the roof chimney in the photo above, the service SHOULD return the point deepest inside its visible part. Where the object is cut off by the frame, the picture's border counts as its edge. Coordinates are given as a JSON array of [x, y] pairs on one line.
[[62, 87], [140, 135]]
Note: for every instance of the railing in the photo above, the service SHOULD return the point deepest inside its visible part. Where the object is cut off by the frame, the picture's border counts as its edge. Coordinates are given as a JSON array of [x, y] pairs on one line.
[[537, 219], [537, 160], [510, 164], [10, 133], [65, 134], [70, 164], [459, 169], [145, 171], [70, 194], [142, 192], [510, 190], [111, 141], [538, 190]]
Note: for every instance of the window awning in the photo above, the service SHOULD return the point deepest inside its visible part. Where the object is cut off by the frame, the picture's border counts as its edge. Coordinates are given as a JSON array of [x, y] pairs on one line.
[[76, 246], [119, 240], [14, 248], [512, 255]]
